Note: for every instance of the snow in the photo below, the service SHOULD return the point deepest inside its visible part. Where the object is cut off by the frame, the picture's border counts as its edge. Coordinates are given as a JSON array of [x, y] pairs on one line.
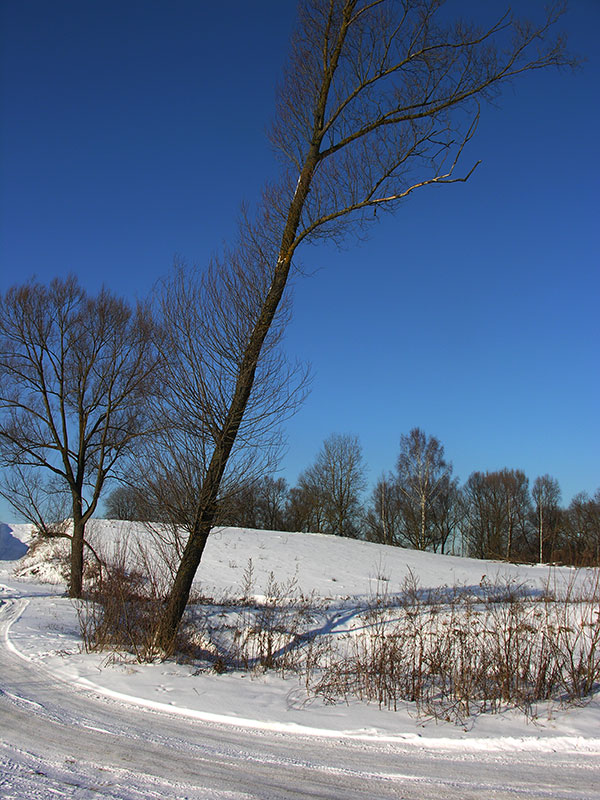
[[13, 546], [44, 631], [47, 633]]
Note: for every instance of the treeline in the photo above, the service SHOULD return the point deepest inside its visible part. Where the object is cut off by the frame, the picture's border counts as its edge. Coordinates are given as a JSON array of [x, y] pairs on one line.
[[420, 504]]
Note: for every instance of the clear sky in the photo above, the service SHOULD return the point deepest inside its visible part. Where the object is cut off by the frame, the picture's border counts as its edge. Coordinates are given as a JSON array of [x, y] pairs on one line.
[[131, 132]]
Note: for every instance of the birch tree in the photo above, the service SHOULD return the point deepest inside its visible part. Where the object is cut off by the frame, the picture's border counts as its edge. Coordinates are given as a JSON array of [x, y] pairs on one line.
[[546, 498], [423, 476]]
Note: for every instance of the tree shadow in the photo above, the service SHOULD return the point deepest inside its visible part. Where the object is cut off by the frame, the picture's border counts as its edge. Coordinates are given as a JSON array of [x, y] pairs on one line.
[[11, 548]]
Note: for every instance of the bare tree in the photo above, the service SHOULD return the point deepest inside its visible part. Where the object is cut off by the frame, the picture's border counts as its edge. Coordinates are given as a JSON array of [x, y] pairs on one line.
[[337, 479], [383, 520], [546, 498], [272, 496], [582, 529], [257, 504], [240, 509], [40, 499], [206, 317], [379, 99], [75, 372], [484, 524], [422, 476], [518, 507], [497, 510], [401, 514], [128, 502], [305, 509], [446, 514]]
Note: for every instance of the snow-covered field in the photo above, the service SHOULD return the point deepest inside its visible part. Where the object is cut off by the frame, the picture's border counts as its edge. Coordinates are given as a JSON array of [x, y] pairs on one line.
[[42, 635]]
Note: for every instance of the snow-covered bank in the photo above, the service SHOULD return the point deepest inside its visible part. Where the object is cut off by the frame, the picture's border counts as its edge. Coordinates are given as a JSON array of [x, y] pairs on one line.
[[46, 633]]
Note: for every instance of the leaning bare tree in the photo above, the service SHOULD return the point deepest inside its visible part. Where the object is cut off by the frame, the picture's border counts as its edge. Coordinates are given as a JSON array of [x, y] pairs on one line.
[[379, 99], [207, 317], [75, 371]]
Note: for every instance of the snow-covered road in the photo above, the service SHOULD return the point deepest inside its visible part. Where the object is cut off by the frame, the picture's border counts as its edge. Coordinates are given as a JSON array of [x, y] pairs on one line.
[[56, 741]]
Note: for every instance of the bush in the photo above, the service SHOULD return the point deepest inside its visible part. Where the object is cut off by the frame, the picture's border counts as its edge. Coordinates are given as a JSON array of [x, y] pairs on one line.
[[120, 615]]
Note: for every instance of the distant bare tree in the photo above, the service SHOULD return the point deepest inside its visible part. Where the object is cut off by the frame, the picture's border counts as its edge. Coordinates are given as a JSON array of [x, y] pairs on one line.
[[272, 495], [484, 516], [518, 507], [240, 509], [335, 481], [497, 510], [546, 499], [383, 520], [305, 509], [128, 502], [258, 504], [446, 514], [423, 476], [582, 530], [75, 374], [379, 99]]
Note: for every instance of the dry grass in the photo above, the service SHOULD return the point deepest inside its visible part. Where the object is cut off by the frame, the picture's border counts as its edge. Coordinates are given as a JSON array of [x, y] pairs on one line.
[[450, 653], [119, 613], [470, 653]]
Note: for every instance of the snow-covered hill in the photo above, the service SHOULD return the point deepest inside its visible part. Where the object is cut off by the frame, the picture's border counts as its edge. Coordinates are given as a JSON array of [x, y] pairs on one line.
[[328, 567]]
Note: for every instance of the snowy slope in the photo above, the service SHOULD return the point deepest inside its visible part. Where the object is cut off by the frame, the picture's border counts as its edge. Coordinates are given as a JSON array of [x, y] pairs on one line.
[[47, 633]]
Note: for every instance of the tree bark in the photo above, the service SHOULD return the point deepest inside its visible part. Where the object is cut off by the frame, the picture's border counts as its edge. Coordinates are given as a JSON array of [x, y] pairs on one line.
[[76, 580]]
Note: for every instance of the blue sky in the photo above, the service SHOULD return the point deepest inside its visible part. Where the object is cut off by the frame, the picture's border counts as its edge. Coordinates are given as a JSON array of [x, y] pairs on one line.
[[133, 130]]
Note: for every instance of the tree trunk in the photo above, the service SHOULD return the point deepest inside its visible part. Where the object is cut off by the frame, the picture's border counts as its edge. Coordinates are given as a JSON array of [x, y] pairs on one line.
[[180, 592], [509, 533], [76, 581], [387, 539]]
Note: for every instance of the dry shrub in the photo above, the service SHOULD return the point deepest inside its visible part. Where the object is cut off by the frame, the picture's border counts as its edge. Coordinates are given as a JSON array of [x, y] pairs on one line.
[[120, 611], [452, 652], [453, 659], [123, 605]]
